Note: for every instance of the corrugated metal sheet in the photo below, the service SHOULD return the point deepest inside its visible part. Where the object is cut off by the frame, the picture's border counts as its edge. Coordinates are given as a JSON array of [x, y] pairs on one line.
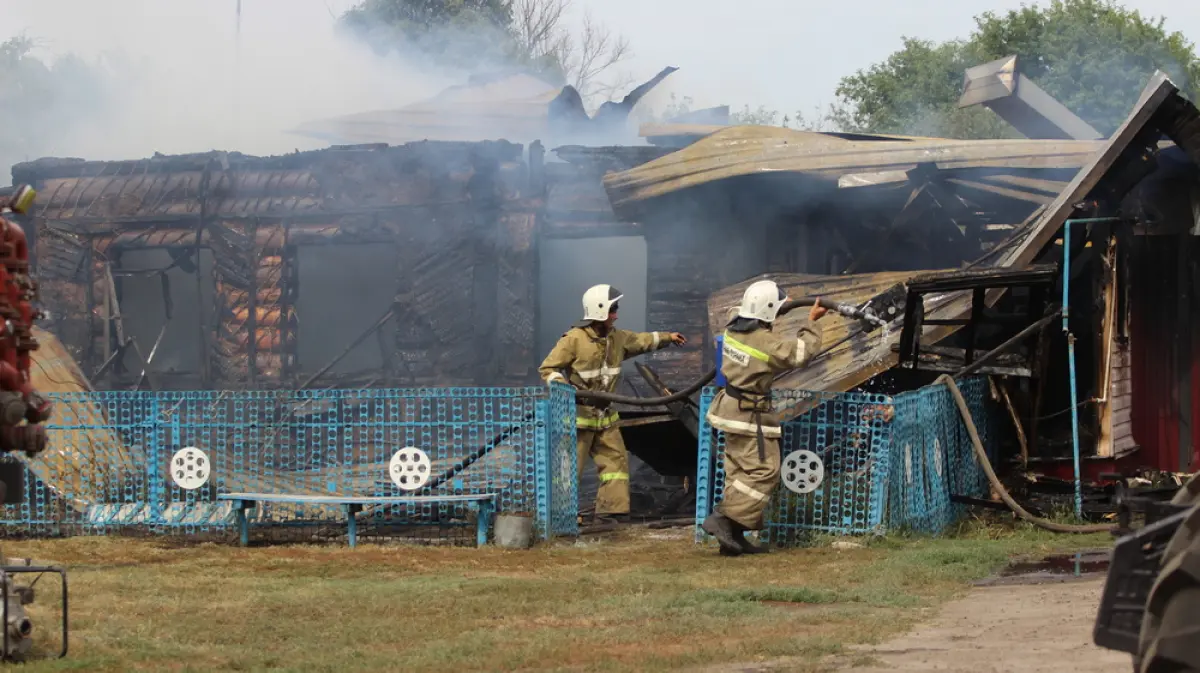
[[753, 150]]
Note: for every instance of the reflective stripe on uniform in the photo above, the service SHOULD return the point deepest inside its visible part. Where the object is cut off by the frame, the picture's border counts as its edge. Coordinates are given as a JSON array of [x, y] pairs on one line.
[[742, 427], [593, 423], [801, 351], [741, 487], [744, 350], [657, 340], [614, 476], [555, 376], [590, 374]]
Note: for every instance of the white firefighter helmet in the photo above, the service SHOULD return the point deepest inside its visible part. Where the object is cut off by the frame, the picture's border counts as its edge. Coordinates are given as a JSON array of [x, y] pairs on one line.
[[762, 301], [598, 301]]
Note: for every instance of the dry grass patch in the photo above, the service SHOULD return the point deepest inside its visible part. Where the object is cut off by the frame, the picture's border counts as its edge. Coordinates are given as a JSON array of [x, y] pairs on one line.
[[633, 602]]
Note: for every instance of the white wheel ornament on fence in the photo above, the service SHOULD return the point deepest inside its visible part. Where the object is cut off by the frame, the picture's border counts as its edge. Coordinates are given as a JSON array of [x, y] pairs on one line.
[[802, 472], [190, 468], [410, 468]]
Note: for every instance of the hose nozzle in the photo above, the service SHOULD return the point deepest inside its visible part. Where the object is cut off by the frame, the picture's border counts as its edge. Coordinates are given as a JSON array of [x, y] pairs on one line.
[[855, 313]]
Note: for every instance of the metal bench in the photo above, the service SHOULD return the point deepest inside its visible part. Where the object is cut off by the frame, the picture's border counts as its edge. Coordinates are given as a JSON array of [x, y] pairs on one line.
[[483, 504]]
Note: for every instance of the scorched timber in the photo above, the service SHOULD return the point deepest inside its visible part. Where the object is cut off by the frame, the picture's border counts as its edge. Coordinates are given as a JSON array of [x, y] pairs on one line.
[[862, 356]]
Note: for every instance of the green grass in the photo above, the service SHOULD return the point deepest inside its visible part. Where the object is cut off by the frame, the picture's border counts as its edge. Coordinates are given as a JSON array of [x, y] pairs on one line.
[[633, 603]]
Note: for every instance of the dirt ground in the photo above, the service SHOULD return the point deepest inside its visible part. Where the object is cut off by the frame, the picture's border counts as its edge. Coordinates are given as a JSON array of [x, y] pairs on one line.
[[1010, 627], [1003, 628]]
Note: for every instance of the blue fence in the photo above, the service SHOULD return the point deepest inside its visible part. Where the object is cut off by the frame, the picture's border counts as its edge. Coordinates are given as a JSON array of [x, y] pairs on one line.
[[890, 462], [110, 461]]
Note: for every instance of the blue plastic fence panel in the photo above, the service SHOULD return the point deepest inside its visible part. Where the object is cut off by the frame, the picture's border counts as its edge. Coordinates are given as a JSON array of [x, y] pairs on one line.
[[933, 456], [850, 433], [563, 513], [890, 463], [111, 456]]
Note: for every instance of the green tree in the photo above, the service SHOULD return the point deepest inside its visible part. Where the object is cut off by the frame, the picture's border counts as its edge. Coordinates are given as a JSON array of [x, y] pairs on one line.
[[1094, 56], [454, 33], [480, 35], [44, 105]]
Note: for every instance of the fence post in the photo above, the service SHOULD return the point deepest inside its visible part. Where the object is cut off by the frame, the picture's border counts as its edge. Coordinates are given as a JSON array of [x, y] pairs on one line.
[[542, 429], [882, 436], [154, 459], [703, 464]]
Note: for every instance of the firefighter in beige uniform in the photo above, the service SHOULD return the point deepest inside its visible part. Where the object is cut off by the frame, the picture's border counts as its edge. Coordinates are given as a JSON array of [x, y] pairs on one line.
[[589, 357], [752, 355]]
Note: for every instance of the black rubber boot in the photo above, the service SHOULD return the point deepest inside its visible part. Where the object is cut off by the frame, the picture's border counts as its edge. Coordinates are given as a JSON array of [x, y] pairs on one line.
[[747, 546], [722, 528]]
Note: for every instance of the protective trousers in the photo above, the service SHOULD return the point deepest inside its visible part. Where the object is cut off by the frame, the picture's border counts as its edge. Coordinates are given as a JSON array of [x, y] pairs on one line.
[[607, 449], [749, 481]]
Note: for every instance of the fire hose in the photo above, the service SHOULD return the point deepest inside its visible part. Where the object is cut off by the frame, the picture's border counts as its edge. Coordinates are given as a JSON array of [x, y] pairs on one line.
[[846, 310], [965, 412], [857, 313]]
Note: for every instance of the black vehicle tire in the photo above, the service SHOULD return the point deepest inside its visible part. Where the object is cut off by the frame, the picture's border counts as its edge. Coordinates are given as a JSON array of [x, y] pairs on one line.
[[1170, 637]]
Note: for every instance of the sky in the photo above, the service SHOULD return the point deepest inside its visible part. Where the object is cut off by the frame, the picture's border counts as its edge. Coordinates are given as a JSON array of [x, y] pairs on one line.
[[287, 67], [788, 55]]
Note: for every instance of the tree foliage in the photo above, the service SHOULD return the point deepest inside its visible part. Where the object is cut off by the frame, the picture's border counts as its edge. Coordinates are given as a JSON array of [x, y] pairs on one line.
[[480, 35], [42, 104], [1094, 56], [457, 33]]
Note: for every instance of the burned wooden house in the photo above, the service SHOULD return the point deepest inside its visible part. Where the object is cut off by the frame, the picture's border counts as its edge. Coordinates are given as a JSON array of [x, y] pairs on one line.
[[226, 271], [457, 263]]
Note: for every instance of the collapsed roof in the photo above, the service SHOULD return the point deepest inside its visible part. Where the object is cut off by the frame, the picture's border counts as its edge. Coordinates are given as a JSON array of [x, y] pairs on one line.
[[1107, 171], [759, 150], [518, 108]]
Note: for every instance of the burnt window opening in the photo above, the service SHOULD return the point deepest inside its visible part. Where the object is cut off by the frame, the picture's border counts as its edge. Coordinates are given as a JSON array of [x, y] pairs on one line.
[[568, 267], [342, 290], [160, 300]]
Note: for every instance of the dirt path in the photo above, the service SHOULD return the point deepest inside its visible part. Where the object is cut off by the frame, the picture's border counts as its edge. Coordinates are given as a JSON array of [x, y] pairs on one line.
[[1002, 629]]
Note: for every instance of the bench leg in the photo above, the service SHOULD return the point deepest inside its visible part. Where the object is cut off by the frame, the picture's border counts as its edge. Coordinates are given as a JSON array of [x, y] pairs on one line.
[[351, 525], [482, 522], [243, 524]]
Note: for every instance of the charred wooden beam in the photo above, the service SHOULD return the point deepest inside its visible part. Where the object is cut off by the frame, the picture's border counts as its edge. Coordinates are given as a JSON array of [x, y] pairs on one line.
[[1001, 87], [485, 268], [987, 277], [928, 363], [383, 319], [1009, 344], [913, 210]]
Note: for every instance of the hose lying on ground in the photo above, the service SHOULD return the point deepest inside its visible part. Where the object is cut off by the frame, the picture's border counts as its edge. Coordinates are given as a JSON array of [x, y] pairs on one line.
[[965, 413], [843, 309]]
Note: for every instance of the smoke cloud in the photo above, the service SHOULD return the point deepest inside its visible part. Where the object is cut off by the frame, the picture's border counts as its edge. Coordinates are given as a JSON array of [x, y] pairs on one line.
[[189, 76]]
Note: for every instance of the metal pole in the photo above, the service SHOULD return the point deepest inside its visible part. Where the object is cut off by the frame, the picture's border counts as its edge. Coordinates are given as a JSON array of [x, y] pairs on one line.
[[1071, 352]]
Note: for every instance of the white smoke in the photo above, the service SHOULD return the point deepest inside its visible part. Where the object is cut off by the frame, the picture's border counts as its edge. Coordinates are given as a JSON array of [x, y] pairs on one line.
[[192, 76]]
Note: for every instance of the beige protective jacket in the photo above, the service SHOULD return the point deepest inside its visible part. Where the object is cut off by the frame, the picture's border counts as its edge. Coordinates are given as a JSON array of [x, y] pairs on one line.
[[750, 361], [588, 361]]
